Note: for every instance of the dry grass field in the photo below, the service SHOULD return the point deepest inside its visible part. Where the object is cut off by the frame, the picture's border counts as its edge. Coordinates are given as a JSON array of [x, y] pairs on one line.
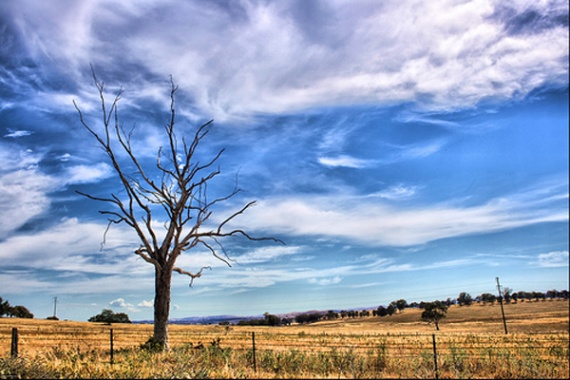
[[470, 344]]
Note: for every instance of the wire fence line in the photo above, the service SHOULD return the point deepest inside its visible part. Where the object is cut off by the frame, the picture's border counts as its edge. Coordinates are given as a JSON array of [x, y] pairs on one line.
[[553, 346], [283, 351]]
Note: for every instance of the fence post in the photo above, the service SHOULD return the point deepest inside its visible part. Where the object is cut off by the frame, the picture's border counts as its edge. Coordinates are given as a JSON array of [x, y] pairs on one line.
[[111, 344], [435, 357], [14, 347], [253, 343]]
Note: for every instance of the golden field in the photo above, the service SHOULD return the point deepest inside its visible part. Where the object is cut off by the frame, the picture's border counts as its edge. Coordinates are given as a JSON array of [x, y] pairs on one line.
[[470, 344]]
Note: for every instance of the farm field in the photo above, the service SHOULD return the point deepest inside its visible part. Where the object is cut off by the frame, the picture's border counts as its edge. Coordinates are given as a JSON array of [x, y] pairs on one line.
[[470, 344]]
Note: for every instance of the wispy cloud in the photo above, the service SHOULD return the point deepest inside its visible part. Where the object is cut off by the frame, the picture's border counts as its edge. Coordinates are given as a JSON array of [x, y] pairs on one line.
[[16, 134], [252, 278], [23, 189], [397, 192], [74, 246], [325, 281], [553, 259], [265, 254], [87, 174], [345, 161], [272, 60], [378, 223]]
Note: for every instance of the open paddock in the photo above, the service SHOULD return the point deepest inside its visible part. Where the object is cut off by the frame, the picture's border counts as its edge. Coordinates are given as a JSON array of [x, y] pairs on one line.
[[471, 343]]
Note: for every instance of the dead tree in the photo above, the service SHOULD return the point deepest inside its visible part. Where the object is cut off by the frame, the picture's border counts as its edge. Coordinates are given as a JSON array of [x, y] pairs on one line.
[[180, 197]]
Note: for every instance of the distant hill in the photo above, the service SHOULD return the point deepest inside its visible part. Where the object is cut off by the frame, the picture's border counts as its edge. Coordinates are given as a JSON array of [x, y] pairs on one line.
[[210, 320], [234, 319]]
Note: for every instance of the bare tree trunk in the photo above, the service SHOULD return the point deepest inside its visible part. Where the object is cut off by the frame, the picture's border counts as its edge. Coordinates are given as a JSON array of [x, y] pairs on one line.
[[162, 305]]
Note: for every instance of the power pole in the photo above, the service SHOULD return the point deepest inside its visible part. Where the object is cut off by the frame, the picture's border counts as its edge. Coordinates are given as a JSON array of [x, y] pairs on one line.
[[501, 302], [54, 306]]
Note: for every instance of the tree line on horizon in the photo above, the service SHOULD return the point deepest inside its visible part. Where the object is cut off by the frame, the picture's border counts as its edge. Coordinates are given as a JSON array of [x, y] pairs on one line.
[[433, 311], [398, 306]]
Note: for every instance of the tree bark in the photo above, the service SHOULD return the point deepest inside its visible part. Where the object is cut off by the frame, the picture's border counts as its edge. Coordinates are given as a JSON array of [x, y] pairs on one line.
[[162, 305]]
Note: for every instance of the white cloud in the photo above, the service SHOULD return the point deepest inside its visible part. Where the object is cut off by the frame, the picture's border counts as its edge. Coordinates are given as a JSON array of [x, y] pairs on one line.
[[120, 302], [23, 196], [325, 281], [146, 304], [396, 192], [80, 174], [23, 189], [265, 254], [553, 259], [16, 134], [344, 161], [423, 150], [64, 157], [75, 246], [376, 223], [252, 57], [240, 280]]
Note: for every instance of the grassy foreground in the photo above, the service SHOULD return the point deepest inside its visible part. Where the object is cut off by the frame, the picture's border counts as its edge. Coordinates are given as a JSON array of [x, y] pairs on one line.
[[471, 344]]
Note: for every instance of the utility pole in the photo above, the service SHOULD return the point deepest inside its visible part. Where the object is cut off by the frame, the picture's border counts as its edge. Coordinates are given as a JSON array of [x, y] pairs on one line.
[[54, 306], [501, 302]]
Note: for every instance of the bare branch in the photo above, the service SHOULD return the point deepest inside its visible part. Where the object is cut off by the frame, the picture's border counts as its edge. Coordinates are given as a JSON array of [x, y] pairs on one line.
[[192, 276], [234, 215], [213, 251]]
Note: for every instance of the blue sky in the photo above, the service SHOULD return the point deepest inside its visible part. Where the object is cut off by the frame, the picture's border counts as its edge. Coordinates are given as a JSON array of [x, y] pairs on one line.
[[401, 149]]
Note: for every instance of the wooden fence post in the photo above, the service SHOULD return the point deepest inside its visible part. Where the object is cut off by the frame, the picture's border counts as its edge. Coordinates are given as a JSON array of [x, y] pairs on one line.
[[253, 343], [14, 347], [435, 357], [111, 344]]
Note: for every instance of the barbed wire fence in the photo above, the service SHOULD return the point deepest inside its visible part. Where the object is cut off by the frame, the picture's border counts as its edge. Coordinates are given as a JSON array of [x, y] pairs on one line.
[[438, 349]]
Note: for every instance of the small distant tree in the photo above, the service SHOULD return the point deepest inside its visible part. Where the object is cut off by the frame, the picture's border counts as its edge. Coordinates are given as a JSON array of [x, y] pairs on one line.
[[434, 312], [464, 299], [21, 312], [381, 311], [272, 320], [109, 316], [5, 307], [551, 294], [331, 314], [488, 298], [391, 309], [401, 304], [507, 294], [308, 318], [538, 296], [364, 313]]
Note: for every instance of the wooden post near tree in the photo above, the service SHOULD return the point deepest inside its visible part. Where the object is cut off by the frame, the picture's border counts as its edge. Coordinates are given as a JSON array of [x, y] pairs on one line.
[[435, 357], [14, 346], [111, 345], [253, 344]]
